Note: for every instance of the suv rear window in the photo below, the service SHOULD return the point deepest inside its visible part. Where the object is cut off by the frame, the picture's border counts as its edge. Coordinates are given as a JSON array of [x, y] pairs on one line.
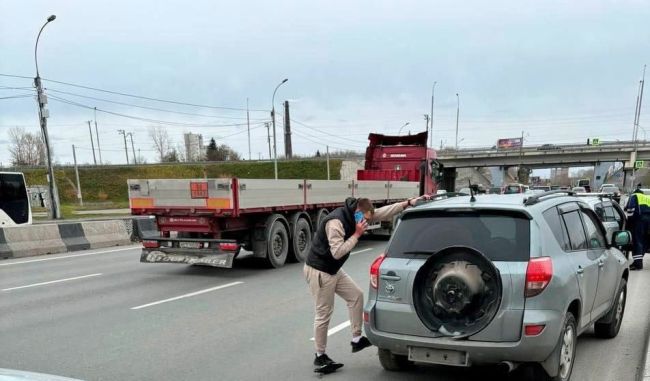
[[499, 235]]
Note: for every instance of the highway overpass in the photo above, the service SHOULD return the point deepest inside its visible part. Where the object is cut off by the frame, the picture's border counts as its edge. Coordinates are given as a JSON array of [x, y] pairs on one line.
[[546, 156]]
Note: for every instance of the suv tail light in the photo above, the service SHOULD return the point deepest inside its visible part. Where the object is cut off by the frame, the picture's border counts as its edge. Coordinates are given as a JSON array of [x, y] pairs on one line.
[[538, 275], [374, 271]]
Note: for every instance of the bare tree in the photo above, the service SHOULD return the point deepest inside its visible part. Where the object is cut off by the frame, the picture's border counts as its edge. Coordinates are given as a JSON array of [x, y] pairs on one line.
[[161, 141], [26, 148]]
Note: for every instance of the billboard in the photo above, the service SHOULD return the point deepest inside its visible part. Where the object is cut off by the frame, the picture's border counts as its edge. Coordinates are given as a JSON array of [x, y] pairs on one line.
[[509, 143]]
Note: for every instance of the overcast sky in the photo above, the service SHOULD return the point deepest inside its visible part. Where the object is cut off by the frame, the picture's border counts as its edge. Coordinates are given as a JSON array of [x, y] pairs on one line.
[[561, 71]]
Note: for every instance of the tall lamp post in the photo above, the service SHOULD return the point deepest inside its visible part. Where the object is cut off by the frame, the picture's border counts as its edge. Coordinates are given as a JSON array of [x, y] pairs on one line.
[[400, 129], [43, 114], [275, 150], [433, 93], [457, 115]]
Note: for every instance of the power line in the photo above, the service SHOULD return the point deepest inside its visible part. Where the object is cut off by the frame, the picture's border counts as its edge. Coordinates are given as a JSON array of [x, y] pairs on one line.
[[323, 132], [157, 121], [146, 107], [150, 98], [17, 96]]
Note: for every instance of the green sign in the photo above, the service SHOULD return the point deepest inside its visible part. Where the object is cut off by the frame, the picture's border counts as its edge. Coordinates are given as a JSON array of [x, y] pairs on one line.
[[595, 141], [639, 164]]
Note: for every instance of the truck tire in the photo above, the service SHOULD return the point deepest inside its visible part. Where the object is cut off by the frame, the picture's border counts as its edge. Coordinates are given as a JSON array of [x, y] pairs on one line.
[[320, 215], [300, 241], [609, 329], [277, 245], [393, 362]]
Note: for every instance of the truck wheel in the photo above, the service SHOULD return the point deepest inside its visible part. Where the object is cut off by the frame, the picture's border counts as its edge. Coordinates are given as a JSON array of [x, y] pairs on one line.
[[301, 241], [277, 245], [614, 317], [393, 362], [320, 215]]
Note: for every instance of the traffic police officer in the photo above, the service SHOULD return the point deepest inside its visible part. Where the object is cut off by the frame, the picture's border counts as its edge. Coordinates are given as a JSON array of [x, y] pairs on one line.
[[638, 210]]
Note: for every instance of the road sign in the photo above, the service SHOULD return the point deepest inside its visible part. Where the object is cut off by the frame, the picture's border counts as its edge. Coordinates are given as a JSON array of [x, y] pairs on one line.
[[639, 164], [595, 141]]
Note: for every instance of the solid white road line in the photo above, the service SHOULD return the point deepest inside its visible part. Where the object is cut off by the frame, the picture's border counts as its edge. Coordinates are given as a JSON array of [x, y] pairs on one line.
[[187, 295], [362, 250], [334, 330], [51, 282], [70, 256]]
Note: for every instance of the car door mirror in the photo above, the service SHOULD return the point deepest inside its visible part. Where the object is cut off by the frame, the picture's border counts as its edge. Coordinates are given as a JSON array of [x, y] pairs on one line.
[[621, 238]]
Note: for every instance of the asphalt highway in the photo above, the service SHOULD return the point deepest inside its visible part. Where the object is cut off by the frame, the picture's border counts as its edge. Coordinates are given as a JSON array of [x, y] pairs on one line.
[[103, 315]]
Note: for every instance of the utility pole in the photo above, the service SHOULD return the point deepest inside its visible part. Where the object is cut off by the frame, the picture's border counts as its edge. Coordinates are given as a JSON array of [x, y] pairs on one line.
[[99, 149], [92, 145], [433, 93], [135, 159], [457, 116], [43, 114], [248, 125], [126, 150], [288, 152], [268, 134], [426, 119], [327, 148], [76, 172]]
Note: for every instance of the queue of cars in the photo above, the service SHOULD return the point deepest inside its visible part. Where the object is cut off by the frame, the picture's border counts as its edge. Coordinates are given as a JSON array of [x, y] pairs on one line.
[[510, 280]]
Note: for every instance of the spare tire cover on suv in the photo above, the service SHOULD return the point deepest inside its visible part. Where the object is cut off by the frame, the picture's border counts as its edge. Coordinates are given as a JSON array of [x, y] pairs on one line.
[[457, 292]]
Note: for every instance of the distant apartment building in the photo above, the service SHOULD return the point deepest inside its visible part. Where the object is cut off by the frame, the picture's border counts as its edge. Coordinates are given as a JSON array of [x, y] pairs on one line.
[[194, 149]]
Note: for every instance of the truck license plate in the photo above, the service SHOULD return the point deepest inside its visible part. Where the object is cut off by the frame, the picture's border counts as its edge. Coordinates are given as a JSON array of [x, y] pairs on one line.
[[438, 356], [190, 245]]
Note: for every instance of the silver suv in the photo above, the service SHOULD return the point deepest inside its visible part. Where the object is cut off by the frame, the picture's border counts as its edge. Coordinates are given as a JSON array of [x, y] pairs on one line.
[[509, 280]]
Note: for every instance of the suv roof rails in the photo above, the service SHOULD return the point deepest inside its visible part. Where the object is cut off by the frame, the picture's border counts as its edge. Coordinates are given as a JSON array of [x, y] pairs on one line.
[[532, 200], [600, 195]]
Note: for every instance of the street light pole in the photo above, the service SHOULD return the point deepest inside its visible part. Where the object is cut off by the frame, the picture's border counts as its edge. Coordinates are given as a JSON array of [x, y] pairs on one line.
[[43, 114], [275, 149], [433, 93], [400, 129], [457, 115]]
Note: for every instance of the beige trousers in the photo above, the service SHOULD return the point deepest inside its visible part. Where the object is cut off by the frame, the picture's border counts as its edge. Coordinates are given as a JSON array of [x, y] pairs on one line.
[[323, 286]]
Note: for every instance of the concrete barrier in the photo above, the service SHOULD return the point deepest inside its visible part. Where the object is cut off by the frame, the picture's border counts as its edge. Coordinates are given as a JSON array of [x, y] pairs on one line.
[[30, 240], [144, 228], [106, 233], [73, 237]]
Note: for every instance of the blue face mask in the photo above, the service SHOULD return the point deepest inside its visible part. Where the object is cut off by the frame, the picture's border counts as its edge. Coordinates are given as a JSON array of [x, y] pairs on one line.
[[358, 216]]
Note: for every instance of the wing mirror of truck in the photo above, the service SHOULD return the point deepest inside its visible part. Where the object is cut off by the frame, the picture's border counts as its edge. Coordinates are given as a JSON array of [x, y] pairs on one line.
[[621, 238]]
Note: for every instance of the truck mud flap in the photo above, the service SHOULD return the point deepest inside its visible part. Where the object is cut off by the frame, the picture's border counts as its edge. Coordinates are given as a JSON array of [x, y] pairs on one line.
[[224, 260]]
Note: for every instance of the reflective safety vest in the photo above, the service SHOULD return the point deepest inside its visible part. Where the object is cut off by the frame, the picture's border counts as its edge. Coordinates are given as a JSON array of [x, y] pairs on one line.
[[638, 204]]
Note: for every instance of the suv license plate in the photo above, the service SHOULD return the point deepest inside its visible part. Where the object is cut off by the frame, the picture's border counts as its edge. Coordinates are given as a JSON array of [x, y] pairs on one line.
[[190, 245], [438, 356]]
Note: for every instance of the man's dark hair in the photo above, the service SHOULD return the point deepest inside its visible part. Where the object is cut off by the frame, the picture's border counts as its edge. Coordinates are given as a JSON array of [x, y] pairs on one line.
[[365, 205]]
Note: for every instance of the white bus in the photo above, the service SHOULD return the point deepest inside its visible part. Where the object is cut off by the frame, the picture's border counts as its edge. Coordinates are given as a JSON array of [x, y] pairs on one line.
[[14, 201]]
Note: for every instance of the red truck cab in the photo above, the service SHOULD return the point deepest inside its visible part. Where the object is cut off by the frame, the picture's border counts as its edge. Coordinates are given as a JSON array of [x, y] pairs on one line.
[[401, 158]]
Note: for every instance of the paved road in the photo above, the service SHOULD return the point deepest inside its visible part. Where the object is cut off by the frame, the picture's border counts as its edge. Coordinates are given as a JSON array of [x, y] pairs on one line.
[[101, 315]]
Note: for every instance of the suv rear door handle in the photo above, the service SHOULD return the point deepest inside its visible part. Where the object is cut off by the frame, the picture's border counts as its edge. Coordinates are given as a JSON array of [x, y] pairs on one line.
[[580, 270], [601, 263], [391, 277]]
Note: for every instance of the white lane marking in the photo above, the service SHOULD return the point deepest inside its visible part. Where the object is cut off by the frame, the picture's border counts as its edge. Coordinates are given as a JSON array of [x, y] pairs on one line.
[[187, 295], [70, 256], [362, 250], [51, 282], [334, 330]]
